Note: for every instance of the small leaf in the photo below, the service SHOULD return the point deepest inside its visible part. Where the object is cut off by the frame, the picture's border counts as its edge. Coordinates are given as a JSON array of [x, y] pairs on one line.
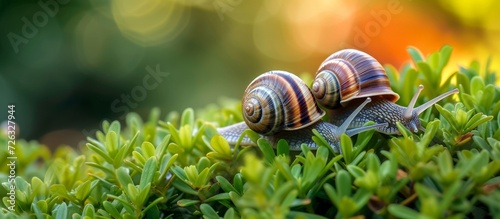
[[111, 143], [111, 209], [283, 148], [230, 214], [36, 209], [266, 149], [139, 158], [88, 211], [148, 149], [187, 202], [218, 197], [187, 117], [415, 54], [61, 211], [238, 183], [153, 204], [346, 145], [101, 152], [208, 212], [83, 190], [148, 172], [402, 212], [123, 177], [220, 145], [183, 187], [225, 185], [356, 171], [343, 183]]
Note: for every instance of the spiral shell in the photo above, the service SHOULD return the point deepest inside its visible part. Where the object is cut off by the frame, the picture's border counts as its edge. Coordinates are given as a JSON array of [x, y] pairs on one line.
[[278, 100], [350, 74]]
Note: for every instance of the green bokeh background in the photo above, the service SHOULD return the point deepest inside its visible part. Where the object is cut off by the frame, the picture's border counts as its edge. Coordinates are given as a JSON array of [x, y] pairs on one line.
[[84, 55]]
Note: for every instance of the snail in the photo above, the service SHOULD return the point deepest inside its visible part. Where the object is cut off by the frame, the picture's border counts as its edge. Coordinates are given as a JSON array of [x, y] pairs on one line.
[[279, 105], [348, 76]]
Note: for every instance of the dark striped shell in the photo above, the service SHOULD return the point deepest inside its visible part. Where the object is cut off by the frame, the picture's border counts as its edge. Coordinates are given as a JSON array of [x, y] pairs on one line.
[[278, 100], [349, 74]]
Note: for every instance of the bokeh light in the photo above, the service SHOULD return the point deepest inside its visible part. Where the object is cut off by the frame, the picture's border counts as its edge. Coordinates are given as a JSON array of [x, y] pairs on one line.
[[150, 22]]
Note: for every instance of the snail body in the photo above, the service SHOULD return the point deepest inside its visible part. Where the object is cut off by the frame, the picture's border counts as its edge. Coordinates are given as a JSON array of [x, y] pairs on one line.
[[279, 105], [348, 76]]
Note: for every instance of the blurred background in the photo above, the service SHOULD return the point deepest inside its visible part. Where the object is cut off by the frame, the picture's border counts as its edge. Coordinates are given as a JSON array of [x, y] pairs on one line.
[[67, 65]]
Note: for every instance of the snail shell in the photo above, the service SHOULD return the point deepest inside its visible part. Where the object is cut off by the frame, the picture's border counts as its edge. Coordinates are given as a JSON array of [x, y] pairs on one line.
[[350, 74], [277, 101]]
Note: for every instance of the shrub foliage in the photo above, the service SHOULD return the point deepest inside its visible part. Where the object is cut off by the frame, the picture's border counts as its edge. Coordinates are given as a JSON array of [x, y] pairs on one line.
[[178, 167]]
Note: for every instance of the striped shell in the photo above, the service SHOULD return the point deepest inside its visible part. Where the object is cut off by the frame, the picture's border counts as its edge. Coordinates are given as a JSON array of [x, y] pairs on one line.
[[350, 74], [278, 100]]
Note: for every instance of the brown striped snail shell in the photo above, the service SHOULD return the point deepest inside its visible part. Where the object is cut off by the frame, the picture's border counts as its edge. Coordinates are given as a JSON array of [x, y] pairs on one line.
[[279, 105], [348, 76], [278, 100]]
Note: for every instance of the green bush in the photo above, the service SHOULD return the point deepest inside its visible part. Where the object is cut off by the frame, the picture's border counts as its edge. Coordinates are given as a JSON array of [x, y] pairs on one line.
[[178, 167]]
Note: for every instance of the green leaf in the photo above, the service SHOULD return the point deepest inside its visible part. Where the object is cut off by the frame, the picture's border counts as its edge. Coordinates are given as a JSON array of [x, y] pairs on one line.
[[400, 211], [238, 183], [187, 118], [218, 197], [161, 150], [88, 211], [111, 143], [61, 211], [231, 214], [100, 152], [142, 195], [266, 149], [430, 132], [283, 148], [347, 150], [187, 202], [225, 185], [125, 151], [132, 192], [153, 204], [139, 158], [282, 192], [148, 172], [148, 149], [220, 145], [83, 190], [42, 206], [208, 212], [343, 183], [114, 127], [61, 191], [203, 163], [445, 53], [415, 54], [111, 209], [38, 187], [183, 187], [123, 177], [166, 164], [185, 136], [356, 171], [36, 209]]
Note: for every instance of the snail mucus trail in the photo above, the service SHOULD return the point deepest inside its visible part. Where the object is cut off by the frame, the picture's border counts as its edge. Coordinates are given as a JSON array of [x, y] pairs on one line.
[[348, 76], [279, 105]]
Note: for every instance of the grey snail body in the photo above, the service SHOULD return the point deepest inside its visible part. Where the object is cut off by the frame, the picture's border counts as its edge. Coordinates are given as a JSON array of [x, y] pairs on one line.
[[279, 105], [348, 76]]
